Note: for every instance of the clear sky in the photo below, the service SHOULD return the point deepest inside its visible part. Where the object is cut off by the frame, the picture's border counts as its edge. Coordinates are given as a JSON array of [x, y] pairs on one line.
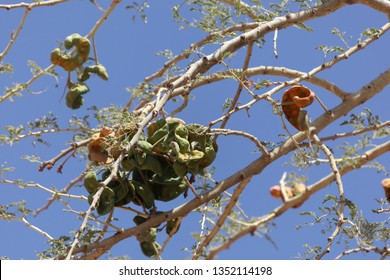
[[127, 48]]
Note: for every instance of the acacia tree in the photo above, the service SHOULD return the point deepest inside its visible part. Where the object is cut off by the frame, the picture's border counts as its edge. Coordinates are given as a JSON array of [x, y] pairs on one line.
[[150, 161]]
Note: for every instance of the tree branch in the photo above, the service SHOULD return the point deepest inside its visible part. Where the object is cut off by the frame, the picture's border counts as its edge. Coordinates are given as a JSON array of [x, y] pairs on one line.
[[15, 35], [379, 5], [31, 5], [368, 156], [257, 166]]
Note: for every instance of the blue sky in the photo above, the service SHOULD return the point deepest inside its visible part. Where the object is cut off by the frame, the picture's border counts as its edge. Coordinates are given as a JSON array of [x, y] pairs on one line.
[[127, 48]]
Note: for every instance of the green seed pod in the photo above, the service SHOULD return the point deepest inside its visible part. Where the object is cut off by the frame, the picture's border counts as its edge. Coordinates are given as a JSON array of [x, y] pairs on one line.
[[170, 225], [168, 192], [161, 137], [129, 196], [150, 249], [81, 44], [197, 133], [168, 176], [72, 40], [91, 182], [74, 100], [210, 153], [56, 57], [127, 165], [181, 136], [140, 156], [79, 88], [99, 70], [120, 188], [102, 72], [145, 146], [175, 151], [65, 61], [77, 61], [105, 203], [148, 235], [83, 48], [153, 127], [144, 194], [139, 220], [84, 76], [180, 168], [152, 164]]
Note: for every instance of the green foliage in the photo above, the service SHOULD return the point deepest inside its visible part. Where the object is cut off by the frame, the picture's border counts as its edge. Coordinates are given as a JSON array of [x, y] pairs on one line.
[[6, 68], [341, 35], [139, 9], [355, 229], [211, 16], [368, 33], [15, 210], [57, 246]]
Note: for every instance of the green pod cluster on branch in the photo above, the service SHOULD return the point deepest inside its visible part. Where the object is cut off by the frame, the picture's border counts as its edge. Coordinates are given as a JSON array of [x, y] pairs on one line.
[[164, 187], [190, 147], [67, 61], [74, 62], [160, 162]]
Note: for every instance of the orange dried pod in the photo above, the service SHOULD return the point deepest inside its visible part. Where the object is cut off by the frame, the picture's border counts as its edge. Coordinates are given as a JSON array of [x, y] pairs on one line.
[[96, 148], [386, 188], [276, 191], [295, 190], [105, 132], [293, 100]]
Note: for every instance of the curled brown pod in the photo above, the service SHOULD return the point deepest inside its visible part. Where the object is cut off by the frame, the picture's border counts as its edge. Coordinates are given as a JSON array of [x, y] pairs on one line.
[[293, 100], [386, 187]]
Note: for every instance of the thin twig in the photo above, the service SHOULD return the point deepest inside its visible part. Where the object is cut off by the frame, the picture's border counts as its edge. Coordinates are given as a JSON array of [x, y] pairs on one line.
[[93, 205], [309, 74], [27, 223], [191, 187], [275, 43], [105, 226], [264, 70], [186, 53], [221, 220], [173, 231], [50, 163], [342, 202], [240, 85], [16, 34], [63, 192], [355, 132], [252, 138]]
